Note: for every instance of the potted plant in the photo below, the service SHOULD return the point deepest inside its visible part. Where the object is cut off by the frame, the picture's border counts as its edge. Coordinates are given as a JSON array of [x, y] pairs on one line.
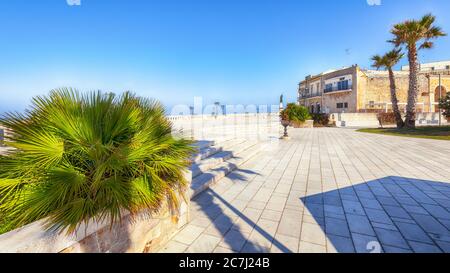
[[297, 115], [285, 122], [444, 104]]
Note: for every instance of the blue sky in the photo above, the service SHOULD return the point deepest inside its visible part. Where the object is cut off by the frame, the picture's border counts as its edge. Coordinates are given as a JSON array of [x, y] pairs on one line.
[[232, 51]]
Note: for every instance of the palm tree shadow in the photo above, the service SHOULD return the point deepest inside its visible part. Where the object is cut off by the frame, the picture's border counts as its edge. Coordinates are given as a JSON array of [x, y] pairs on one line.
[[213, 205], [384, 215]]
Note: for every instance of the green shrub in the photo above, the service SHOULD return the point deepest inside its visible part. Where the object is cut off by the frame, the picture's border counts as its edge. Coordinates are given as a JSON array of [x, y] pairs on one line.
[[444, 104], [321, 120], [296, 113], [89, 156]]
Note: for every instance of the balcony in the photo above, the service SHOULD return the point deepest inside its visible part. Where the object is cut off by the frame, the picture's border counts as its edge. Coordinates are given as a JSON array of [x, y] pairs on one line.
[[343, 86], [338, 90], [309, 96]]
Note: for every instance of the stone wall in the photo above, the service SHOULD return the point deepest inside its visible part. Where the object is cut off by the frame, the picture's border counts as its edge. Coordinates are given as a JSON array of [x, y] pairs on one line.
[[375, 87], [140, 233]]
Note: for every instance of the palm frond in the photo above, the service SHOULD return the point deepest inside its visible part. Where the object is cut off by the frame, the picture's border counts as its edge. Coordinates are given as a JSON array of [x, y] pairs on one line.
[[82, 156]]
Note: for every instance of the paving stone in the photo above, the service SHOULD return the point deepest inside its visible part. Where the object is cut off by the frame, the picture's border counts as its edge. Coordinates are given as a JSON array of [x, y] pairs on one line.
[[317, 211], [391, 238], [271, 215], [330, 209], [445, 246], [174, 247], [413, 232], [203, 222], [188, 235], [332, 200], [415, 209], [312, 220], [284, 244], [234, 240], [307, 247], [366, 244], [429, 224], [437, 211], [204, 244], [340, 244], [424, 248], [378, 216], [384, 226], [257, 205], [360, 224], [397, 212], [353, 207], [223, 250], [389, 201], [336, 227], [446, 223], [396, 250], [290, 224], [313, 233], [371, 203], [406, 201], [349, 197]]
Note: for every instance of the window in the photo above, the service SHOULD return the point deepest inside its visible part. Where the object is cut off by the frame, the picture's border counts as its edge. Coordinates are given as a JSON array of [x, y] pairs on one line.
[[345, 104], [329, 87], [343, 85], [339, 105], [447, 67]]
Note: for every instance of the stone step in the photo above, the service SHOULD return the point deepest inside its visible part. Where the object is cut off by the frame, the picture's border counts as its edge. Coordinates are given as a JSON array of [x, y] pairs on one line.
[[203, 181], [227, 152], [217, 148], [210, 162], [203, 144]]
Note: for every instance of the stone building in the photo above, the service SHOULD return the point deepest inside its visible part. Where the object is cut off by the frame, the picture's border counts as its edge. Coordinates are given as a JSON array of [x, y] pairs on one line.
[[356, 90]]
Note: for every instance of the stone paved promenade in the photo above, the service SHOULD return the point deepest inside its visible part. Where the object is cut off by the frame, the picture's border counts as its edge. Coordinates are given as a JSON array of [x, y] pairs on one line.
[[328, 190]]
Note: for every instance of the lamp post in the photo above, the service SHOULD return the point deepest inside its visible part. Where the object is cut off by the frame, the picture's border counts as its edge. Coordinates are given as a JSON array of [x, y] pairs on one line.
[[440, 96]]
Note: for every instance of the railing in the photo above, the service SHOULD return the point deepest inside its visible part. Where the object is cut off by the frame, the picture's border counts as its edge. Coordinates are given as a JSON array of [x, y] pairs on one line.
[[308, 96], [349, 88]]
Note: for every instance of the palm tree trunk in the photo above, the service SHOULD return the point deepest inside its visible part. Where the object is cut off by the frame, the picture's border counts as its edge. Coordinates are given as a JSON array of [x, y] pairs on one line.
[[398, 116], [410, 120]]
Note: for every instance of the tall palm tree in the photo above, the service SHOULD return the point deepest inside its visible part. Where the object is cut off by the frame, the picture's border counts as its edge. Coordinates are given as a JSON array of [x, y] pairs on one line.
[[388, 61], [89, 156], [415, 35]]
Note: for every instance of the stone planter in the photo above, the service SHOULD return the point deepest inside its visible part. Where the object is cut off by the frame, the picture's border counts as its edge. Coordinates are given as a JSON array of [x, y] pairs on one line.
[[141, 233], [306, 124]]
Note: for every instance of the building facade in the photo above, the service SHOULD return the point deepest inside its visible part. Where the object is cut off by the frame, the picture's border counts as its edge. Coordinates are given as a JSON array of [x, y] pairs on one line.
[[356, 90]]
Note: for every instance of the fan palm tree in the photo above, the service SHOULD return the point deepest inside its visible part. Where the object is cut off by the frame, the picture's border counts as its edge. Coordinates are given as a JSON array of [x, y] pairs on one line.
[[415, 35], [388, 61], [89, 156]]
